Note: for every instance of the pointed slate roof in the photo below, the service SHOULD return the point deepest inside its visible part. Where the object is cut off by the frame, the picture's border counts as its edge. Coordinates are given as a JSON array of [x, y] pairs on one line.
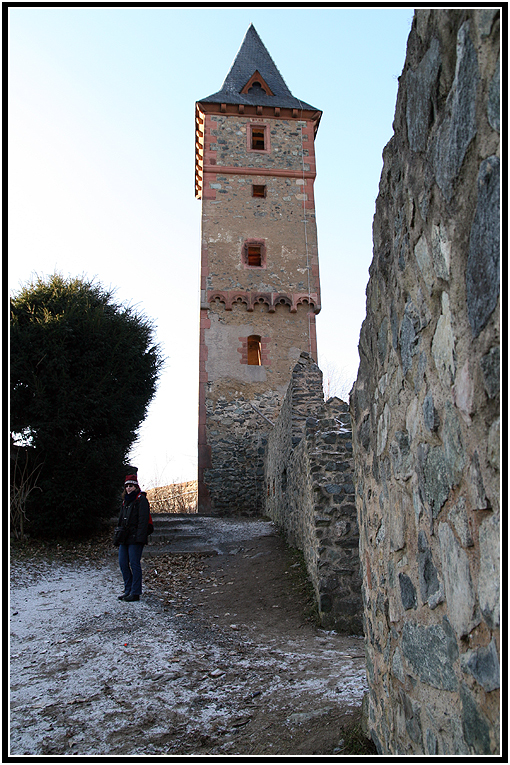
[[253, 56]]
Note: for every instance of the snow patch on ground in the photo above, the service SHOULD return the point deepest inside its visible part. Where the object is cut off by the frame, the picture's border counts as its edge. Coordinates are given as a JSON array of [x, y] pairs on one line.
[[92, 675]]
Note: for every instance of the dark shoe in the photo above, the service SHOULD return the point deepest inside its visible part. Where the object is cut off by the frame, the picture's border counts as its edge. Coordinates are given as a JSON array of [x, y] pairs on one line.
[[131, 598], [123, 596]]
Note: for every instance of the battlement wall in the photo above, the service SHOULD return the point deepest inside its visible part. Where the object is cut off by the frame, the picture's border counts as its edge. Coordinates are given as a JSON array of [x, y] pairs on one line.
[[310, 493]]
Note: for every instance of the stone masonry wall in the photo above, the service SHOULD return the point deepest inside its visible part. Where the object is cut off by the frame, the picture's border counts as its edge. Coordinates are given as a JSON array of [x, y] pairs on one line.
[[238, 437], [425, 406], [310, 494], [228, 142]]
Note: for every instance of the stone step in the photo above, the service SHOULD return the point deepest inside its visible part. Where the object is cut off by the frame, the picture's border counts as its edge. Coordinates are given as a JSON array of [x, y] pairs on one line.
[[184, 517], [167, 524], [152, 552], [202, 534], [178, 519], [175, 530], [178, 529], [166, 534]]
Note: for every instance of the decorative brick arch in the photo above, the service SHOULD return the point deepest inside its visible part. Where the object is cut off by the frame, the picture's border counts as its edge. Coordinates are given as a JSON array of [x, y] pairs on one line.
[[271, 299], [261, 298], [302, 299], [282, 300], [223, 297], [239, 297]]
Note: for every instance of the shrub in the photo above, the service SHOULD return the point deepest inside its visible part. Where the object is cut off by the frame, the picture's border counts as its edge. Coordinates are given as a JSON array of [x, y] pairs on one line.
[[83, 372]]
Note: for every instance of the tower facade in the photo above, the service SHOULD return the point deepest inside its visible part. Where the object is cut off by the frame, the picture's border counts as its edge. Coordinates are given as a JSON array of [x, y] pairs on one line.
[[255, 170]]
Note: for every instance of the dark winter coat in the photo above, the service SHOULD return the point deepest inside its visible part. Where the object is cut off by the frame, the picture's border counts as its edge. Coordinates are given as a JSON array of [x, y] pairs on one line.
[[138, 514]]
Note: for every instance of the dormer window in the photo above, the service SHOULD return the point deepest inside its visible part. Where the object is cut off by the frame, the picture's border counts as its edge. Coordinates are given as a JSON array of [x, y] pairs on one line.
[[257, 84]]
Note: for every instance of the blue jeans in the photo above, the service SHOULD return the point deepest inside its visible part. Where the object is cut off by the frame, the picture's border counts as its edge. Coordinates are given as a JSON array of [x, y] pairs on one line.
[[129, 562]]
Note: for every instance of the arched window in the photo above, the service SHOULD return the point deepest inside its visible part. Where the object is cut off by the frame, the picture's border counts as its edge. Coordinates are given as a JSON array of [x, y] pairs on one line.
[[254, 350]]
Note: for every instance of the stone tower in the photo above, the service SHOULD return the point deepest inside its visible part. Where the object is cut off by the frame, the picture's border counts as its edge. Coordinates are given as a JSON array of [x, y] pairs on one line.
[[255, 170]]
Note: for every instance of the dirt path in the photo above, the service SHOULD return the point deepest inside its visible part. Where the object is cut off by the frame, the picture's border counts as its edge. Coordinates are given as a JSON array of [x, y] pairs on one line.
[[218, 657]]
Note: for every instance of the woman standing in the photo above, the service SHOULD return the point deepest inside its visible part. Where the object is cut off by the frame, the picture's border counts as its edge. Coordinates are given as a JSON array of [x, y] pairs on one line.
[[134, 515]]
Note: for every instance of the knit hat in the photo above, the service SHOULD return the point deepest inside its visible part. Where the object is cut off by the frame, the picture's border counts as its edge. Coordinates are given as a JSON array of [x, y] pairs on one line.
[[131, 479]]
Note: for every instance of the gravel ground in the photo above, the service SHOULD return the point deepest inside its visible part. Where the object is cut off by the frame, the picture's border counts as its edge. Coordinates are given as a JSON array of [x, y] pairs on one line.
[[221, 656]]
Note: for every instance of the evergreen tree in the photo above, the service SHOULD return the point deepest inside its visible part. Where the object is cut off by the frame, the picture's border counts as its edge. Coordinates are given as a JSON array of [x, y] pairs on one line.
[[83, 372]]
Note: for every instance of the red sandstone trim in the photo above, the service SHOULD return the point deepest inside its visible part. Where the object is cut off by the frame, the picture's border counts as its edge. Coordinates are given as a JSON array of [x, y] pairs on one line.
[[284, 113], [204, 450], [243, 350], [264, 351], [313, 336], [277, 172], [271, 299]]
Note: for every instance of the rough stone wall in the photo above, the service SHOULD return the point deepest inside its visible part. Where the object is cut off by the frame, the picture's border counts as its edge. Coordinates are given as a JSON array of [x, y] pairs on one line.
[[232, 215], [425, 405], [230, 146], [310, 494], [237, 435]]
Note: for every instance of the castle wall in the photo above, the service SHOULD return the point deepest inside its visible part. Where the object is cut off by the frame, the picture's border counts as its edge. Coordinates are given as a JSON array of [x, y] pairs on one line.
[[425, 406], [310, 494]]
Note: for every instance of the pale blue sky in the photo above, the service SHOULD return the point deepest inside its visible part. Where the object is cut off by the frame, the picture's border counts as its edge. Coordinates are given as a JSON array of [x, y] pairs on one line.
[[101, 110]]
